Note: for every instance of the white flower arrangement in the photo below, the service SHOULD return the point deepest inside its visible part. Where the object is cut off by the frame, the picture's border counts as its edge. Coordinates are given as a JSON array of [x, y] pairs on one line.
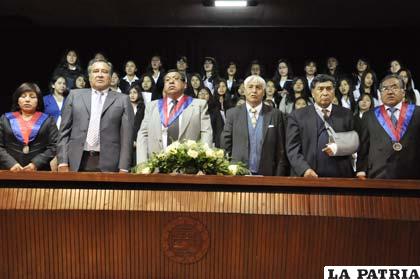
[[191, 157]]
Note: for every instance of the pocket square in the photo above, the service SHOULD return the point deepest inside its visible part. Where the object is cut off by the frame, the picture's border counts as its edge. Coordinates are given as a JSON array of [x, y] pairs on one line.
[[270, 126]]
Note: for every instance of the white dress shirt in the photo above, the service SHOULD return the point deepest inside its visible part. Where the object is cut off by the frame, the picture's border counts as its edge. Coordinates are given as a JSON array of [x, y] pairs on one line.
[[417, 94], [134, 106], [397, 112], [209, 85], [60, 106], [309, 81], [318, 110], [356, 94], [156, 78], [258, 108], [282, 82], [229, 84], [130, 81], [345, 102]]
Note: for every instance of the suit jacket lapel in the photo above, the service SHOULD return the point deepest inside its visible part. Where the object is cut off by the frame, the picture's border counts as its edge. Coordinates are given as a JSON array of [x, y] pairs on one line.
[[243, 118], [267, 114], [312, 127], [186, 117], [87, 100], [332, 118], [110, 98], [155, 122], [51, 101], [311, 120]]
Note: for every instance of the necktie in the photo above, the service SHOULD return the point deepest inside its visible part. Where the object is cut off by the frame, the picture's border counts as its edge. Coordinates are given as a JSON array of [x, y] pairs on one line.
[[326, 116], [325, 112], [394, 120], [173, 129], [174, 103], [95, 120], [253, 117]]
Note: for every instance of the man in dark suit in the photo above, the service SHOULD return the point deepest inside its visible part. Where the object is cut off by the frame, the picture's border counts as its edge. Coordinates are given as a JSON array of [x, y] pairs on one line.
[[390, 135], [254, 132], [309, 148], [96, 132]]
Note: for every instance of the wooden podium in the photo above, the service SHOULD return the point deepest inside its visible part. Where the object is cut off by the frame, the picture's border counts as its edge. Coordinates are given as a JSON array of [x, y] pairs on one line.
[[122, 226]]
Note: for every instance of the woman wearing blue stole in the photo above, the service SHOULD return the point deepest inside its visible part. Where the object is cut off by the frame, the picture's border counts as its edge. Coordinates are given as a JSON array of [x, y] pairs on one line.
[[28, 137]]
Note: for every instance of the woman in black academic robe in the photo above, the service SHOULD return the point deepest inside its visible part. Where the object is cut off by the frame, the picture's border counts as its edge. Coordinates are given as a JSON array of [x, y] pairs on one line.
[[28, 137]]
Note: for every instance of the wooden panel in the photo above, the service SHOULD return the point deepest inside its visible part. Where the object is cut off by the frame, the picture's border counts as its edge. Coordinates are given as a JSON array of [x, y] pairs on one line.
[[301, 204], [115, 227], [124, 244], [198, 181]]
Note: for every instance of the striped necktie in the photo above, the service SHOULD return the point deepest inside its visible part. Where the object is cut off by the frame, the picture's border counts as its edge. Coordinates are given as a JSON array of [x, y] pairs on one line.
[[92, 137], [173, 129], [253, 117], [326, 114], [394, 120]]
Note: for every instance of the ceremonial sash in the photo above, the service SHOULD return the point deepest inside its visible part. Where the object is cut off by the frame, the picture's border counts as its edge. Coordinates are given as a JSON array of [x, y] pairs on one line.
[[26, 131], [395, 133], [166, 119]]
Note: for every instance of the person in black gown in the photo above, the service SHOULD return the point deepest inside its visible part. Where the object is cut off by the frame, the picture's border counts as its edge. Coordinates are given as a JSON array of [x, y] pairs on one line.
[[28, 137]]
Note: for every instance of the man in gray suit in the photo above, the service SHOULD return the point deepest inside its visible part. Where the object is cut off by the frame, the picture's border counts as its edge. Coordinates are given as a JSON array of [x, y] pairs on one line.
[[175, 117], [96, 131], [254, 132]]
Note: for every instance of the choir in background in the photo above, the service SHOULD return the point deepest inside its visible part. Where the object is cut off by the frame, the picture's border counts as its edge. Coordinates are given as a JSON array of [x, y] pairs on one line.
[[280, 126]]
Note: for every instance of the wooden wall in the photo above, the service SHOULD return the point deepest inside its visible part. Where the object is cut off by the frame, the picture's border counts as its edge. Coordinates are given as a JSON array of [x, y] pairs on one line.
[[66, 232]]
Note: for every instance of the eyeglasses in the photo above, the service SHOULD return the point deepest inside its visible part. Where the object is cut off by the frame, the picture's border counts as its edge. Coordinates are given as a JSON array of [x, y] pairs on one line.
[[392, 87]]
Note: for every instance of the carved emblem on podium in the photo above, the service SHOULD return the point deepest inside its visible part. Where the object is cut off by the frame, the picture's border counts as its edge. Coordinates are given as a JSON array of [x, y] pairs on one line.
[[185, 240]]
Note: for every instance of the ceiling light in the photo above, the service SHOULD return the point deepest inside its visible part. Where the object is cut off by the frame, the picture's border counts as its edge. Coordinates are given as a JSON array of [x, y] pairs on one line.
[[229, 3], [218, 3]]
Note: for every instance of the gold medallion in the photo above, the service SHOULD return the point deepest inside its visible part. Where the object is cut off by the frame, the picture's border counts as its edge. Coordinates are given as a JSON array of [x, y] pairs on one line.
[[25, 149], [397, 146]]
